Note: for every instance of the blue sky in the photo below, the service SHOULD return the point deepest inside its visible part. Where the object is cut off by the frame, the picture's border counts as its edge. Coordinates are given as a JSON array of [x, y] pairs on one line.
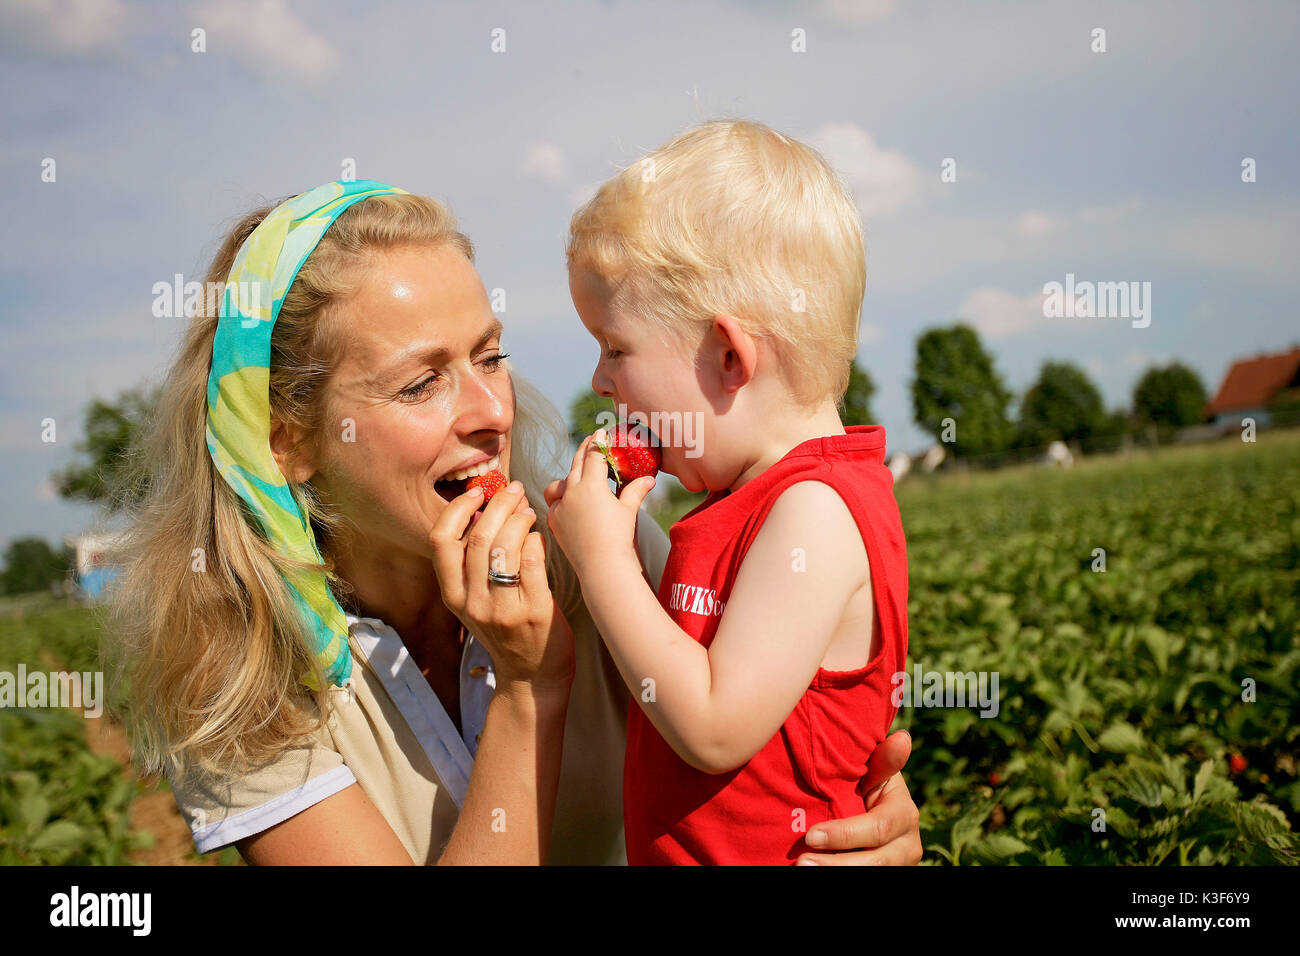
[[1115, 166]]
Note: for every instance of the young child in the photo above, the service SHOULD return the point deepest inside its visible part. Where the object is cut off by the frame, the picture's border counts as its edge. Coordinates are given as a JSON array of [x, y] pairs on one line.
[[722, 277]]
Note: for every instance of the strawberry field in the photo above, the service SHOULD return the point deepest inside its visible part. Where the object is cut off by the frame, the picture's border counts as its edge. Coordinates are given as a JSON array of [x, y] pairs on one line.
[[1143, 618]]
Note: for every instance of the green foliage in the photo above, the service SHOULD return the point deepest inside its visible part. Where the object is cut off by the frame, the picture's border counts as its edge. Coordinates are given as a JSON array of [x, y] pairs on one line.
[[955, 379], [582, 414], [674, 503], [1062, 405], [855, 407], [30, 564], [111, 430], [60, 803], [1109, 432], [1285, 407], [1121, 690], [1172, 396]]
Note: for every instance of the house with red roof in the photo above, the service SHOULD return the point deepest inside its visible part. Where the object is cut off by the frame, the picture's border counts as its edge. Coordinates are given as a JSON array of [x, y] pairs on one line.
[[1253, 384]]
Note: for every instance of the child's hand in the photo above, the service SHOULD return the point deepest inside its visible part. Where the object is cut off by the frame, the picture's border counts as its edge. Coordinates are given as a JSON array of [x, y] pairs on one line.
[[589, 522]]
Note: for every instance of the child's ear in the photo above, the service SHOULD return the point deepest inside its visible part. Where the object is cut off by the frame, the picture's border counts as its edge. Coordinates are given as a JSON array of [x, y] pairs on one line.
[[290, 454], [738, 352]]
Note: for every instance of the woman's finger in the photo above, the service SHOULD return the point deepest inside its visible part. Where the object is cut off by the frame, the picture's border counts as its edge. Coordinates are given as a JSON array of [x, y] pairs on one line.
[[882, 857], [886, 760], [448, 547], [504, 556], [889, 825], [478, 543], [532, 569]]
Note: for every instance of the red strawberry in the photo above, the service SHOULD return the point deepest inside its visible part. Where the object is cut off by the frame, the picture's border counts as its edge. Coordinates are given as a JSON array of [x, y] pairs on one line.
[[491, 483], [1237, 763], [632, 452]]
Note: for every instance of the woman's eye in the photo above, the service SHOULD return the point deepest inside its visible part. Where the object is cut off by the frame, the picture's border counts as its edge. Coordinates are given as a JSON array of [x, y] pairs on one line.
[[613, 354], [418, 389]]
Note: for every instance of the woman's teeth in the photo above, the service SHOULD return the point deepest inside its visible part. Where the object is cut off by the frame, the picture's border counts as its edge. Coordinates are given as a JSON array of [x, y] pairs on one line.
[[482, 469]]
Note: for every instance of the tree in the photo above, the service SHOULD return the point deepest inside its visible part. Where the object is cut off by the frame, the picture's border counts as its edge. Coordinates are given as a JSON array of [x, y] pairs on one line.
[[1109, 432], [111, 430], [582, 414], [956, 383], [32, 565], [1063, 404], [1172, 396], [855, 407]]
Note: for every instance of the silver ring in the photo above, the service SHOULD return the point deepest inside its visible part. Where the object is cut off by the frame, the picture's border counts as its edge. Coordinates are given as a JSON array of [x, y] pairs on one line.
[[501, 577]]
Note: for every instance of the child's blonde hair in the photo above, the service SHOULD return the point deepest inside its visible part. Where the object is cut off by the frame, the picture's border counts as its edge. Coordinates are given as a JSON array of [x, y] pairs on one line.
[[733, 217]]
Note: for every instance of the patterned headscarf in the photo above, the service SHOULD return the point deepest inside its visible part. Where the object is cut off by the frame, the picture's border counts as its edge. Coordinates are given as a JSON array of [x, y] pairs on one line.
[[239, 412]]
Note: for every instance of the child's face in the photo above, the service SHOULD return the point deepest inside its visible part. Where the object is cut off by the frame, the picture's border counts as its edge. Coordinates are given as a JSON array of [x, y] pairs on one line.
[[644, 375]]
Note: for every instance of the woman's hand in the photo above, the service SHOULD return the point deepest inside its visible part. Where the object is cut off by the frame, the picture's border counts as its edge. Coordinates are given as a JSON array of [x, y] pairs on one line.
[[520, 625], [889, 833]]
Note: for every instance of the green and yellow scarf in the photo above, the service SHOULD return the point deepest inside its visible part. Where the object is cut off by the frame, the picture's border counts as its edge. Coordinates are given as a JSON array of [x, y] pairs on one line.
[[239, 419]]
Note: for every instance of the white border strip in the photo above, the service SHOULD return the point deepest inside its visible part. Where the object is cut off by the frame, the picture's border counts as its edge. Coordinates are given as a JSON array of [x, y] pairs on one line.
[[276, 810]]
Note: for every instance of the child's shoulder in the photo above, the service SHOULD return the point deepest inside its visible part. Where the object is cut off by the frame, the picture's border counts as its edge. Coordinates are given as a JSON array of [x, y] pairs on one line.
[[851, 464], [811, 508]]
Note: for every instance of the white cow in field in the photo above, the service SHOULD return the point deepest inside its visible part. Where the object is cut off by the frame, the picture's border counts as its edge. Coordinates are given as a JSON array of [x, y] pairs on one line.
[[900, 463], [934, 457], [1058, 456]]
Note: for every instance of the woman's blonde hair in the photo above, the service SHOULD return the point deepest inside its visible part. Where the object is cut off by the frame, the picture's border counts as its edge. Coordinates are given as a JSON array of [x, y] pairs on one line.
[[206, 644], [733, 217]]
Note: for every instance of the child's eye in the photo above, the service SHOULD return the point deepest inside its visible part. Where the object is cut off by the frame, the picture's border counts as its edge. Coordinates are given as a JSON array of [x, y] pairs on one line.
[[613, 354]]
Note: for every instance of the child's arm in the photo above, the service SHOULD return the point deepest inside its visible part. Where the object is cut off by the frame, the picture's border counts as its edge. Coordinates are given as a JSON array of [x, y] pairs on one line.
[[716, 708]]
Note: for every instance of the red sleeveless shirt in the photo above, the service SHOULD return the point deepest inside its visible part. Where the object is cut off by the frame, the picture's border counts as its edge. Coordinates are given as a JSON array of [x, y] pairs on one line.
[[811, 768]]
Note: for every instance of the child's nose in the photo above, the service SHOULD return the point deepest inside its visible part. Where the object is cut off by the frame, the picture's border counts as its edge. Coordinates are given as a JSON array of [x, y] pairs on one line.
[[601, 385]]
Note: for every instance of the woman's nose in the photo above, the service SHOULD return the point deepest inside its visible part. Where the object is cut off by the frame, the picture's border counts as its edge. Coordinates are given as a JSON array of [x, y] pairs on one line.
[[486, 404]]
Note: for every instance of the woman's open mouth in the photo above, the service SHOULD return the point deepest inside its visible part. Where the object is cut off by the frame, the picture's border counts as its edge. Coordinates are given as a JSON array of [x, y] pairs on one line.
[[456, 483]]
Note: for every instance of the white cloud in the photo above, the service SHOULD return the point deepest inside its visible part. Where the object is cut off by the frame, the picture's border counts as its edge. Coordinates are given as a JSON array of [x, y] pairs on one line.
[[996, 312], [267, 37], [1035, 223], [61, 29], [545, 161], [881, 180], [857, 11]]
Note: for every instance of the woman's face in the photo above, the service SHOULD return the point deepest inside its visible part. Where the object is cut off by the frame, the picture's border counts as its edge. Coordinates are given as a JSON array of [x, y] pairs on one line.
[[419, 393]]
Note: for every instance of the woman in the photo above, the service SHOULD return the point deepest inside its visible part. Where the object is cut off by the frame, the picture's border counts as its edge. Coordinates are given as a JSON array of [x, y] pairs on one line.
[[335, 652]]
